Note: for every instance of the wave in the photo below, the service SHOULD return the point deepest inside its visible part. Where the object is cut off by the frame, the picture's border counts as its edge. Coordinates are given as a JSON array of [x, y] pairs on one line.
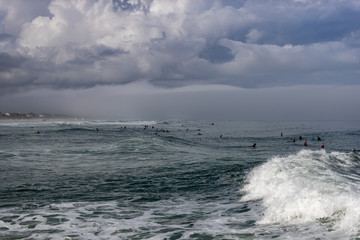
[[310, 186], [47, 122], [123, 122], [165, 219]]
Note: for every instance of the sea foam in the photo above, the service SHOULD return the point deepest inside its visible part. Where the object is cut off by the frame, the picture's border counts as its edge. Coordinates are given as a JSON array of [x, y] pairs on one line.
[[310, 186]]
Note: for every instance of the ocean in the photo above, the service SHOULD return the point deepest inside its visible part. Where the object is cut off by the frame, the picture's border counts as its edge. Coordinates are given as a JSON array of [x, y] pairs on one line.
[[179, 180]]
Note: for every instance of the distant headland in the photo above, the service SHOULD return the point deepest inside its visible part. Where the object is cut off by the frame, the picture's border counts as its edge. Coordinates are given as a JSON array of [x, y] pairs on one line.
[[19, 115]]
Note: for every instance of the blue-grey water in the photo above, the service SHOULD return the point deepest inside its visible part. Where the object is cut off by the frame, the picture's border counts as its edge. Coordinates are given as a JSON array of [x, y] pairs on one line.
[[179, 180]]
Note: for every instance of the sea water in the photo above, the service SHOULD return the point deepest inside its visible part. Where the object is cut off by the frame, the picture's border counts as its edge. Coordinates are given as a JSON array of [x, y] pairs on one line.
[[179, 180]]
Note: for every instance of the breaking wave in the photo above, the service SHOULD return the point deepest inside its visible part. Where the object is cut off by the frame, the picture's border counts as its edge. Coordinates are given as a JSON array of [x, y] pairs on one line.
[[307, 187]]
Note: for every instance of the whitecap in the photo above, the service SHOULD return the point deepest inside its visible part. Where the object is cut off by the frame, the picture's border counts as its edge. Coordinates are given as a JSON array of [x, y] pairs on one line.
[[307, 187]]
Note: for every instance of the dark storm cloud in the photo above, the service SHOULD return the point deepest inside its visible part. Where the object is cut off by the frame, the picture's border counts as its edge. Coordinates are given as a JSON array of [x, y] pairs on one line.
[[252, 44], [128, 5], [89, 56], [6, 38], [217, 54], [7, 62], [301, 22]]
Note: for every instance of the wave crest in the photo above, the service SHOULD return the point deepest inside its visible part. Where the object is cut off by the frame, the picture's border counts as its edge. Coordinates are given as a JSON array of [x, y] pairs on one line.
[[310, 186]]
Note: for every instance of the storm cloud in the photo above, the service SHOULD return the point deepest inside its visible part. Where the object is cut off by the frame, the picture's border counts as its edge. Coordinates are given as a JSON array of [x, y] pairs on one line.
[[80, 44]]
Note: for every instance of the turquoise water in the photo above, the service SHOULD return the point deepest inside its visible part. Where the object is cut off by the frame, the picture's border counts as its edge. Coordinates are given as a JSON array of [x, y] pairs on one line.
[[178, 180]]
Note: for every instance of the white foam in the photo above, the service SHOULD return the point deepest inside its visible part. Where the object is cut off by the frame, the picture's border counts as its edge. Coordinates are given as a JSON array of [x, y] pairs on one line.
[[100, 122], [306, 187], [49, 122], [138, 123], [113, 220], [22, 123]]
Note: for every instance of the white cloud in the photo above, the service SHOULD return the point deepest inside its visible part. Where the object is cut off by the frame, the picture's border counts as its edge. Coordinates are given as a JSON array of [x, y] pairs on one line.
[[15, 13], [253, 36], [81, 44], [270, 65]]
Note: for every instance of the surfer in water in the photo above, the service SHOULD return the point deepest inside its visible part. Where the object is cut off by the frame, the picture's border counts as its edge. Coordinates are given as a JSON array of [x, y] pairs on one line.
[[305, 143], [323, 145], [254, 145]]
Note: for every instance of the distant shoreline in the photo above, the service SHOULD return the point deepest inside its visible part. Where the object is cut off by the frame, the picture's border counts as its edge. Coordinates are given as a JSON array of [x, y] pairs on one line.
[[32, 116]]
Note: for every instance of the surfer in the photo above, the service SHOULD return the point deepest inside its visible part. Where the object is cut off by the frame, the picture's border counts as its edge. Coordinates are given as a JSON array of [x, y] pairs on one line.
[[305, 143], [323, 145], [318, 138], [354, 150], [254, 145], [300, 138]]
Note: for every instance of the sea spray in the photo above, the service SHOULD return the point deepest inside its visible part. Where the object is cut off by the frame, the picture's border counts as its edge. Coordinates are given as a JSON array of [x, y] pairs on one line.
[[304, 188]]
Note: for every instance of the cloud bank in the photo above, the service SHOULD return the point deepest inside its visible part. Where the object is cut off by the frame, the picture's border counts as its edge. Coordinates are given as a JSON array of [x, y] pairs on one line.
[[140, 100], [251, 44]]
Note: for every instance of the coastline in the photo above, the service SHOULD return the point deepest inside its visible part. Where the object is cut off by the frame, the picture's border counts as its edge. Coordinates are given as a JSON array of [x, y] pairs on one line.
[[33, 116]]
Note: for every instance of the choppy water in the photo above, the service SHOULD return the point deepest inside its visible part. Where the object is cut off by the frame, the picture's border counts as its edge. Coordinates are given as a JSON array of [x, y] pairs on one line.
[[167, 182]]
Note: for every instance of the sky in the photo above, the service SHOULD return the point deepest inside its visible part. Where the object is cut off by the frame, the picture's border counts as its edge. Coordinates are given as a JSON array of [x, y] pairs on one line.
[[182, 59]]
